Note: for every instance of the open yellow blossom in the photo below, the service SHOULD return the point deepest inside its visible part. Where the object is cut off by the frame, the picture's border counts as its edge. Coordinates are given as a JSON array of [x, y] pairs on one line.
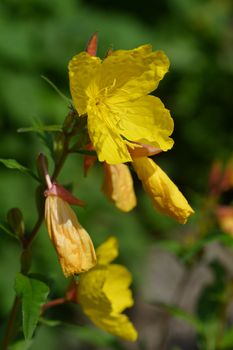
[[118, 186], [103, 293], [114, 94], [71, 241], [165, 195]]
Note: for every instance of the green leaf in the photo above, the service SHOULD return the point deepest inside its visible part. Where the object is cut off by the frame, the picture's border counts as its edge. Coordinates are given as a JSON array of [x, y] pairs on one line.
[[94, 336], [183, 315], [33, 294], [170, 246], [21, 345], [16, 221], [91, 335], [6, 230], [227, 340], [201, 243], [13, 164], [41, 128], [50, 323], [66, 99], [211, 299]]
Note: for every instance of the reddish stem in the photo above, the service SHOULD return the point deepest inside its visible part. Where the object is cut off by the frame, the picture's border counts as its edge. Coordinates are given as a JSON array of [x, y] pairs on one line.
[[52, 303]]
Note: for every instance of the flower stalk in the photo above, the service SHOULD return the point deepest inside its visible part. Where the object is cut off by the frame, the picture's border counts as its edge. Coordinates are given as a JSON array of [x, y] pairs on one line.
[[28, 240]]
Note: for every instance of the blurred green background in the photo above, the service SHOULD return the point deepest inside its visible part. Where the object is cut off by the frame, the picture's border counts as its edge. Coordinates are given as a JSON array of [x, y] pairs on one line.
[[39, 37]]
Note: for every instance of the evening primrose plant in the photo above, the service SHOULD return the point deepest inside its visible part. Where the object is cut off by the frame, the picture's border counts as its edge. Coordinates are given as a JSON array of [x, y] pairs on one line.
[[113, 120]]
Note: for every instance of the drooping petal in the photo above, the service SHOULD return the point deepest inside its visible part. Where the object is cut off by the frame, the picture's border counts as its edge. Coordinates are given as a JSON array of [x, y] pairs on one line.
[[118, 325], [107, 251], [165, 195], [145, 120], [130, 74], [99, 302], [118, 186], [90, 291], [116, 287], [108, 143], [71, 241], [82, 69]]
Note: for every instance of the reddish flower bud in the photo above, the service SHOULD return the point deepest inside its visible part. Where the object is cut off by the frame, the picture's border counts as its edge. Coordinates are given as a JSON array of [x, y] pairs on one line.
[[92, 45]]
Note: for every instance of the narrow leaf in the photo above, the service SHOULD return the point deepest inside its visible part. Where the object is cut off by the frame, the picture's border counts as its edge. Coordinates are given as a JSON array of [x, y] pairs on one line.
[[90, 335], [66, 99], [13, 164], [33, 294], [183, 315], [201, 243], [5, 229], [41, 128], [21, 345]]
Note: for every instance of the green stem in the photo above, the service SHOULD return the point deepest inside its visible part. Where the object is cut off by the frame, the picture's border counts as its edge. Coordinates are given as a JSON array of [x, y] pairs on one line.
[[62, 159], [26, 246], [34, 232], [10, 324]]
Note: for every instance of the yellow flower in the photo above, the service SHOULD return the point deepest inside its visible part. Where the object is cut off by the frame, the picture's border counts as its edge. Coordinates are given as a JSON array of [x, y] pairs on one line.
[[114, 95], [165, 195], [118, 186], [72, 243], [104, 293]]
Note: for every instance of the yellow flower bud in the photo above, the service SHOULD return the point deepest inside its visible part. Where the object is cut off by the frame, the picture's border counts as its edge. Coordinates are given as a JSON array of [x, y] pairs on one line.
[[71, 241]]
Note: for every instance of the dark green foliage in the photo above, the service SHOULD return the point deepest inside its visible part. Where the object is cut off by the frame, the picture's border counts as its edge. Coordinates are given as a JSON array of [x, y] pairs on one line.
[[38, 37]]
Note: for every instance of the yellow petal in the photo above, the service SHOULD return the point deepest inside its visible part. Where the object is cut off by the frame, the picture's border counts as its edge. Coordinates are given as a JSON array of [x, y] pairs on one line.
[[165, 195], [90, 291], [145, 120], [118, 186], [99, 300], [116, 287], [106, 91], [107, 251], [105, 137], [71, 241], [118, 325], [82, 68], [130, 74]]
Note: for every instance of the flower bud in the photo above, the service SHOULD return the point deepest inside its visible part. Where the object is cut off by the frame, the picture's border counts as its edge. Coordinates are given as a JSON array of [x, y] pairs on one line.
[[16, 222], [71, 241], [92, 45]]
